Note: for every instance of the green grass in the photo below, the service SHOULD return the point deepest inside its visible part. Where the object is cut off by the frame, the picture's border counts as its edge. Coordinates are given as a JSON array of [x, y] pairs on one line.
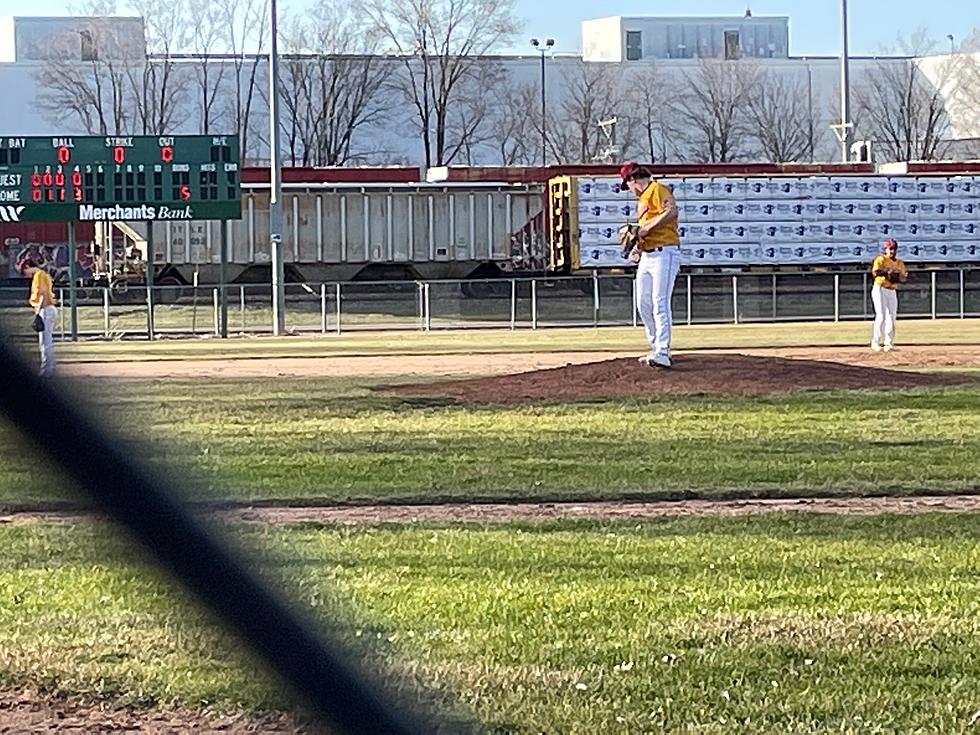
[[775, 624], [313, 441], [939, 331]]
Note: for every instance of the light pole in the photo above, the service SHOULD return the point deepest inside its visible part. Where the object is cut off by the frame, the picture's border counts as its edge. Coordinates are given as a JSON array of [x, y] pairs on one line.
[[952, 44], [549, 43], [275, 181], [845, 88]]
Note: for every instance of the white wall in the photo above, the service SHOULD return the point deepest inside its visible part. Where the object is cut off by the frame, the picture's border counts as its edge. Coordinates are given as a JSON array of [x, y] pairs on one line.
[[396, 139], [963, 106], [603, 39], [118, 37], [8, 48]]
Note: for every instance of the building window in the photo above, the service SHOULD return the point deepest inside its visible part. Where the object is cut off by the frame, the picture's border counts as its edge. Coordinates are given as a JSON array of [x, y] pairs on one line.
[[634, 45], [89, 51], [732, 51]]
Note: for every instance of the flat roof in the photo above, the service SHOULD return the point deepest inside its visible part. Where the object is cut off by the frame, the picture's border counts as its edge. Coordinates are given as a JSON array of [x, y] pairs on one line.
[[699, 18]]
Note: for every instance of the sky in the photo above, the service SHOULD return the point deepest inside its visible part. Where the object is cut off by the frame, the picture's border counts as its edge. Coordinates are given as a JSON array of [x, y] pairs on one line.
[[814, 25]]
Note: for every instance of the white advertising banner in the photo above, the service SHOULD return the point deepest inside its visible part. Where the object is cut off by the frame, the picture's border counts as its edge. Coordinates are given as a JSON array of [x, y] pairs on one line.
[[787, 220]]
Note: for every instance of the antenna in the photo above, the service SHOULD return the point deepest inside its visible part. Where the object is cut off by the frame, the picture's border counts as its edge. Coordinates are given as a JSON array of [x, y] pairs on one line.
[[608, 128]]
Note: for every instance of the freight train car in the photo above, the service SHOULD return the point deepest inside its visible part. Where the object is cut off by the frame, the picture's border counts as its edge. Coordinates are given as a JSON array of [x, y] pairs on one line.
[[485, 222], [370, 231], [386, 224]]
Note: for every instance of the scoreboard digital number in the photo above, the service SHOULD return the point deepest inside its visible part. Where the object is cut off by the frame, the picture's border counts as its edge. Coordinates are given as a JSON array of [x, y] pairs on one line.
[[112, 178]]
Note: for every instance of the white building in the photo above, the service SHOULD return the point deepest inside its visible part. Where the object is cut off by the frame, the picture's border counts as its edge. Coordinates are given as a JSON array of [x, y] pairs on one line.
[[30, 39], [620, 47], [622, 38]]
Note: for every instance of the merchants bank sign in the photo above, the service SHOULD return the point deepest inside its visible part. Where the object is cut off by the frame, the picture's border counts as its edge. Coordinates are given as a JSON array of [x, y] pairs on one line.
[[129, 212], [135, 213]]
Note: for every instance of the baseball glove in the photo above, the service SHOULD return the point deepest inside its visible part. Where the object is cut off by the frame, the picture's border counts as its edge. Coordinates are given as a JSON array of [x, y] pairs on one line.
[[893, 276], [629, 239]]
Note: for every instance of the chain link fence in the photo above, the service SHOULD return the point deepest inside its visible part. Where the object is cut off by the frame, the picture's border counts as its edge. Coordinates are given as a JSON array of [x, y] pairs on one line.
[[519, 303]]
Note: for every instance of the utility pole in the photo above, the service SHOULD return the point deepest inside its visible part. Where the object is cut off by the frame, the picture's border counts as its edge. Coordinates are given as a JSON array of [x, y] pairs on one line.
[[845, 89], [275, 180]]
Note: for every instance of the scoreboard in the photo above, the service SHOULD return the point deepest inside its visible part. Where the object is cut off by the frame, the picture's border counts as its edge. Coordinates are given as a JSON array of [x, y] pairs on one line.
[[119, 178]]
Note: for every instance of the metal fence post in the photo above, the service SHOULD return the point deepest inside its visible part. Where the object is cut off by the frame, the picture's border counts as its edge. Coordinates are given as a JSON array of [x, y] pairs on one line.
[[426, 303], [962, 295], [217, 312], [933, 285], [61, 312], [338, 307], [420, 305], [105, 312], [837, 297], [194, 309], [734, 299], [513, 304], [241, 302], [633, 299], [864, 295], [323, 308], [690, 300], [534, 303], [595, 299], [774, 297]]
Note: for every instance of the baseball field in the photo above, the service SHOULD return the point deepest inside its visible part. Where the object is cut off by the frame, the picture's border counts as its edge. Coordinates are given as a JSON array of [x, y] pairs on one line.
[[776, 536]]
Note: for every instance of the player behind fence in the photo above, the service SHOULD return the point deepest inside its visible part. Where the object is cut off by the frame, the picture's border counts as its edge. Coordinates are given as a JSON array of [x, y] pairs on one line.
[[42, 300], [888, 272]]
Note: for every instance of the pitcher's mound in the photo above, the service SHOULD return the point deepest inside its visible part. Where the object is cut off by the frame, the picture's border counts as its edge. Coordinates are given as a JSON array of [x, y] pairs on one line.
[[692, 374]]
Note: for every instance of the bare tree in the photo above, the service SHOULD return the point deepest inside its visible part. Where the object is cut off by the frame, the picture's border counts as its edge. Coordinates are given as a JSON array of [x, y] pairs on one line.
[[905, 112], [515, 127], [159, 91], [781, 120], [246, 29], [593, 92], [207, 37], [84, 79], [443, 76], [296, 91], [712, 104], [331, 95], [655, 131]]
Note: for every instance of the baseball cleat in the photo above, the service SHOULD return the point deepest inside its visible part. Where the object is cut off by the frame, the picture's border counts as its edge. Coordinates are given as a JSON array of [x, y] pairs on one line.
[[660, 361], [887, 348], [875, 347]]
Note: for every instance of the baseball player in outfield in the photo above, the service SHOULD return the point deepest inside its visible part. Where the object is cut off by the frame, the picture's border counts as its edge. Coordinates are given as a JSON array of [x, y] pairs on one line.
[[656, 251], [888, 272]]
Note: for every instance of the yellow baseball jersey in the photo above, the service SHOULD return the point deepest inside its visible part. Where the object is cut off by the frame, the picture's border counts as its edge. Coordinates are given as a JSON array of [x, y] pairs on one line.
[[651, 205], [883, 262], [42, 290]]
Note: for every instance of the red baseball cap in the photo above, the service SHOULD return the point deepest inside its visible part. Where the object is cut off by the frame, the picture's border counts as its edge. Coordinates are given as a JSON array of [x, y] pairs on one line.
[[629, 170]]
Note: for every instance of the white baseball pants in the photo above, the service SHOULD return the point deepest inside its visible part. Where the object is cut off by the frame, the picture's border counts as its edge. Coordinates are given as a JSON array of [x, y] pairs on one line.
[[655, 275], [886, 311], [45, 340]]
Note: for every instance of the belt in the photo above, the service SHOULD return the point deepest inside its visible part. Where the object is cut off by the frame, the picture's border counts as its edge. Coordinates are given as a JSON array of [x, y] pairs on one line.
[[661, 247]]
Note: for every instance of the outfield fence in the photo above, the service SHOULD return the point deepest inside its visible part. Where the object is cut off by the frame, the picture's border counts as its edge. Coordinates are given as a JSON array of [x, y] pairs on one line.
[[520, 303]]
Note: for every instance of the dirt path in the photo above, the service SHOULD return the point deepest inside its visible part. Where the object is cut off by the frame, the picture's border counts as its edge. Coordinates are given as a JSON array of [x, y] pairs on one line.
[[503, 512], [336, 367], [32, 712], [504, 363]]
